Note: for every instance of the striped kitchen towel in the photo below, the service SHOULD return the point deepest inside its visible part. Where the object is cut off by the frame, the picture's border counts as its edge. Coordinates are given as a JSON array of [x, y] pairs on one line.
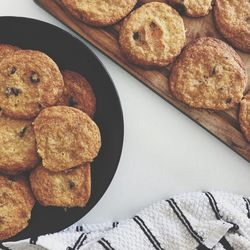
[[200, 220]]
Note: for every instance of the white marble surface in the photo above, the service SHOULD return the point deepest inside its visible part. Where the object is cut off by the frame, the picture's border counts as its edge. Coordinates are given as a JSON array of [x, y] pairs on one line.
[[164, 152]]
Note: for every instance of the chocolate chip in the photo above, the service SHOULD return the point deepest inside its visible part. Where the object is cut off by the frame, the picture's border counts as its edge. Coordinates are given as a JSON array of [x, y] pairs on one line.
[[1, 111], [71, 184], [152, 25], [12, 91], [12, 70], [34, 78], [72, 101], [136, 35], [221, 89], [39, 105], [229, 100], [22, 132]]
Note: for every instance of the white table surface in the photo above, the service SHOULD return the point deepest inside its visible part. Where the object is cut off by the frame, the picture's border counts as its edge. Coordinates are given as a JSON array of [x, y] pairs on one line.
[[164, 152]]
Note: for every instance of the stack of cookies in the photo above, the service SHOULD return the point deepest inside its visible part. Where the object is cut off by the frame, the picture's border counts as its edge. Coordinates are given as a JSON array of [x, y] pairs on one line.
[[46, 134], [206, 73]]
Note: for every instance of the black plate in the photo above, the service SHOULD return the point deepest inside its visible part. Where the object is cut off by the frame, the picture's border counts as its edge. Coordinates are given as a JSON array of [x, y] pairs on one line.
[[70, 53]]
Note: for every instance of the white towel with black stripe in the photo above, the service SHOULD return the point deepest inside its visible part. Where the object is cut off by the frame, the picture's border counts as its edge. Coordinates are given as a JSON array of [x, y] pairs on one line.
[[200, 220]]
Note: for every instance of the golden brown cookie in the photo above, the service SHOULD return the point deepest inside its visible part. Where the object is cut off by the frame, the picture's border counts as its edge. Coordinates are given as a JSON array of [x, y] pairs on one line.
[[66, 137], [233, 21], [77, 93], [70, 188], [6, 49], [18, 151], [153, 35], [16, 203], [192, 8], [99, 12], [29, 81], [244, 116], [208, 74]]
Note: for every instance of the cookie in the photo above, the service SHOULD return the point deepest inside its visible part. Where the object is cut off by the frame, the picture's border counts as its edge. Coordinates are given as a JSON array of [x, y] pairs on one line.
[[67, 189], [66, 137], [18, 151], [7, 49], [153, 35], [244, 116], [232, 19], [29, 81], [77, 93], [192, 8], [208, 74], [16, 203], [99, 12]]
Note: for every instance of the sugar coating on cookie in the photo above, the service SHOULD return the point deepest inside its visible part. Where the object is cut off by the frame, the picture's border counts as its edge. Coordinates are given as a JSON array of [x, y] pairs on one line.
[[153, 35], [66, 137], [233, 21], [193, 8], [99, 12], [29, 81], [77, 93], [18, 151], [208, 74], [244, 116], [7, 49], [69, 188], [16, 203]]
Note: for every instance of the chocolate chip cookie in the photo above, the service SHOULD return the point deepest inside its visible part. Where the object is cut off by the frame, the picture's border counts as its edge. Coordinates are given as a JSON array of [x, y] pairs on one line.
[[77, 93], [7, 49], [18, 151], [66, 137], [29, 81], [16, 203], [233, 21], [208, 74], [99, 12], [69, 188], [153, 35], [244, 116], [192, 8]]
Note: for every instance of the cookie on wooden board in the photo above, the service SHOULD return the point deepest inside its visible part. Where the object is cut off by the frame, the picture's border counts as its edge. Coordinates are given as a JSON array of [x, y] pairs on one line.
[[66, 137], [18, 151], [16, 203], [29, 81], [192, 8], [99, 12], [244, 116], [232, 19], [6, 49], [208, 74], [69, 188], [77, 93], [153, 35]]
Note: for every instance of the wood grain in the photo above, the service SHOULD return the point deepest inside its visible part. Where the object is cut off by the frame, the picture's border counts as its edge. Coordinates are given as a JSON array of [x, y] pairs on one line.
[[223, 124]]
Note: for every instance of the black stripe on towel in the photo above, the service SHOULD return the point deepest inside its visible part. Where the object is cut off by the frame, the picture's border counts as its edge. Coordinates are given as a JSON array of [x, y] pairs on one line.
[[4, 247], [81, 243], [33, 240], [77, 242], [115, 224], [148, 233], [226, 244], [105, 244], [184, 220], [247, 206], [216, 210]]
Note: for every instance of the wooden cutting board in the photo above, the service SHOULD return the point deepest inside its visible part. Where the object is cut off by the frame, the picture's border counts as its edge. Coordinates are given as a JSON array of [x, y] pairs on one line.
[[223, 124]]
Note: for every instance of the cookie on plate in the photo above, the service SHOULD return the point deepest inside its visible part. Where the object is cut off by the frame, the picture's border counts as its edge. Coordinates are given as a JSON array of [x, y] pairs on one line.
[[70, 188], [192, 8], [153, 35], [244, 116], [29, 81], [233, 21], [208, 74], [77, 93], [6, 49], [66, 137], [16, 203], [18, 151], [99, 12]]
